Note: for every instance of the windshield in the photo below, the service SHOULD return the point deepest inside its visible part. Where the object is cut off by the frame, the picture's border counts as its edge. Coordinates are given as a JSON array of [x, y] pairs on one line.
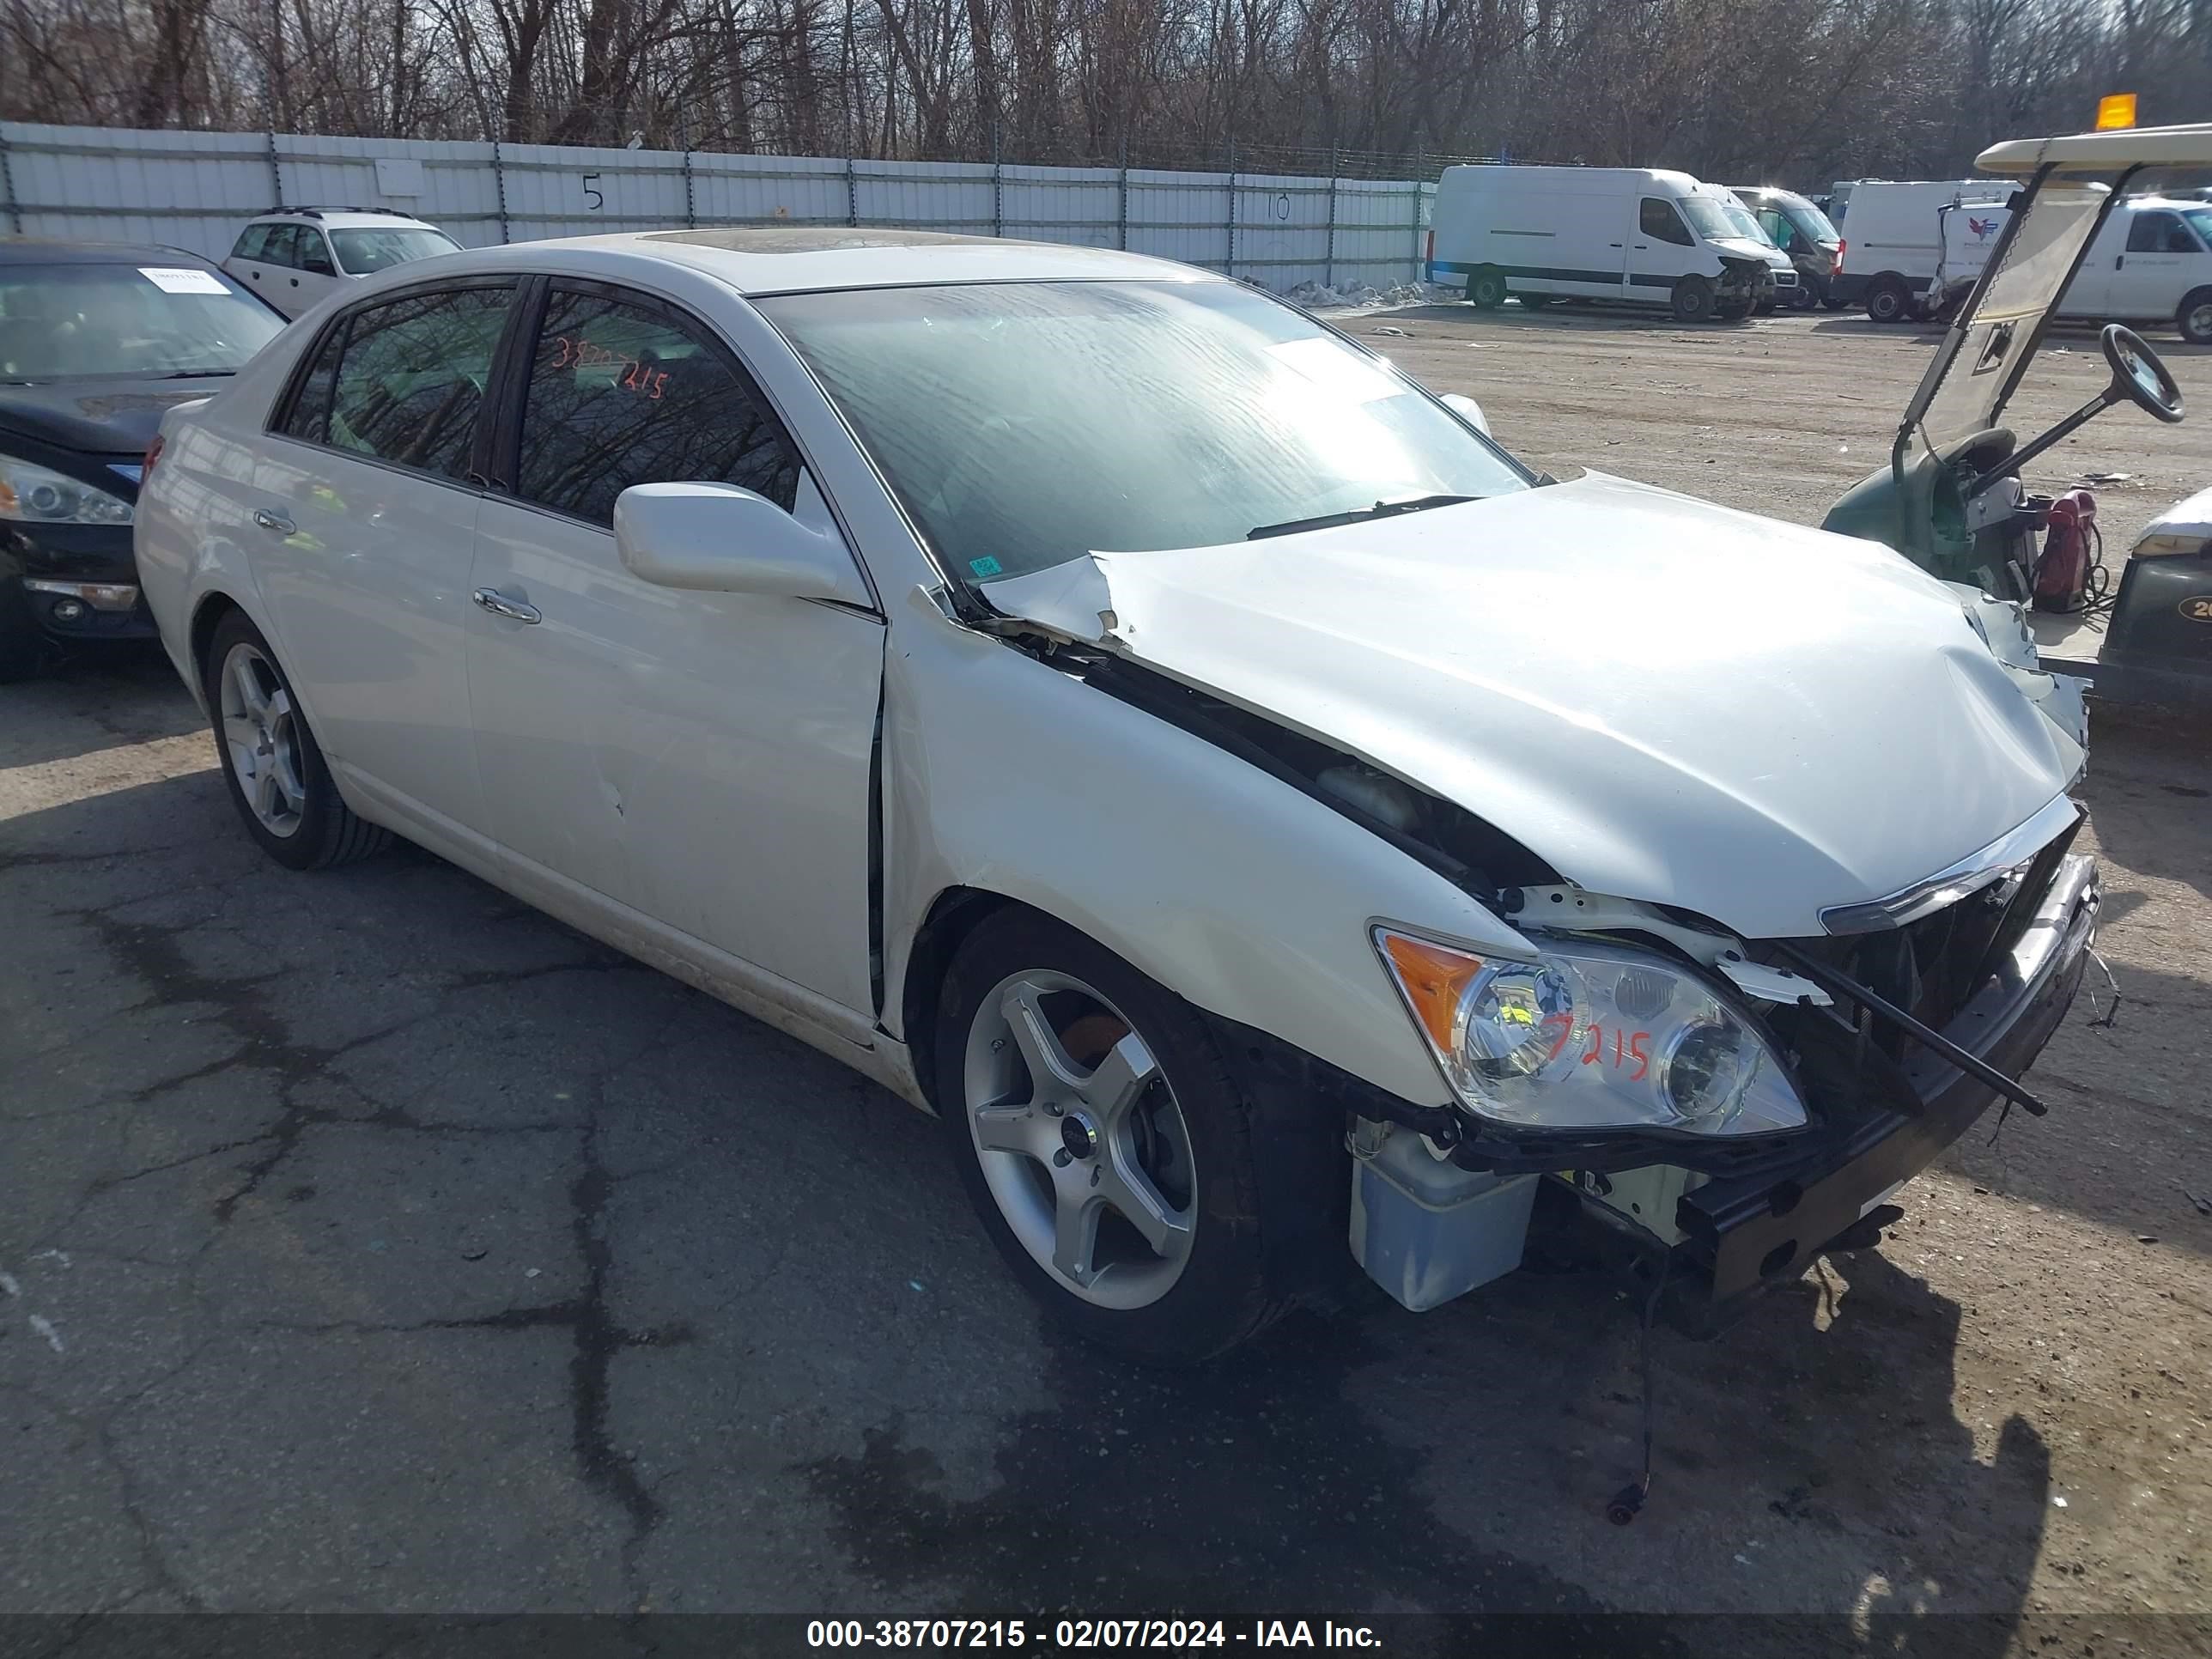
[[85, 321], [1742, 224], [1710, 218], [361, 252], [1981, 360], [1810, 222], [1023, 425]]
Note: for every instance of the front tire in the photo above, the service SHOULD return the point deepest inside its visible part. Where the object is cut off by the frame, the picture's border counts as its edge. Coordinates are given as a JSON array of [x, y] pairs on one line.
[[1112, 1154], [1487, 290], [1693, 300], [2194, 318], [270, 761]]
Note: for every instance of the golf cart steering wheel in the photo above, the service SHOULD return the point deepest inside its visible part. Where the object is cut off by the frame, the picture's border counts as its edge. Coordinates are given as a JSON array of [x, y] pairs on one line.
[[2138, 375]]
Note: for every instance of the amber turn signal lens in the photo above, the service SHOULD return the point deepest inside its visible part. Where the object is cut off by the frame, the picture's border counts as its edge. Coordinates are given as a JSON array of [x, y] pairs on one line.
[[1434, 977]]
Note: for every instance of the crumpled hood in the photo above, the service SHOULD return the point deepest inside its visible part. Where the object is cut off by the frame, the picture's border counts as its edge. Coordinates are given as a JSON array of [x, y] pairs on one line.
[[1666, 699]]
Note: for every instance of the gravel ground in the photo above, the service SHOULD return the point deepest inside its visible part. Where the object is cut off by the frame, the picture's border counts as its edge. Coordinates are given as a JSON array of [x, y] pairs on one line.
[[373, 1244]]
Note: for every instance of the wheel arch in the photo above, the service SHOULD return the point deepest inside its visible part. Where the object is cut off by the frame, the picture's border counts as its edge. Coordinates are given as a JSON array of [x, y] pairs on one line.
[[208, 613]]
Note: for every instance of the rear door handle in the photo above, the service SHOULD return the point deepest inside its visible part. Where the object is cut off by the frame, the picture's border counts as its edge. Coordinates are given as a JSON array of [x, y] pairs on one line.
[[275, 523], [515, 609]]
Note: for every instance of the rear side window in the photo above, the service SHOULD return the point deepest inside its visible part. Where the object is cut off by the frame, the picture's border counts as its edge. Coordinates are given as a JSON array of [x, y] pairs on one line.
[[624, 392], [252, 242], [309, 417], [403, 382], [1658, 219]]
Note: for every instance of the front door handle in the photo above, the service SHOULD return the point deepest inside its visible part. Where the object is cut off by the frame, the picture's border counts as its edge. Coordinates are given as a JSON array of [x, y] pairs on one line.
[[275, 523], [500, 605]]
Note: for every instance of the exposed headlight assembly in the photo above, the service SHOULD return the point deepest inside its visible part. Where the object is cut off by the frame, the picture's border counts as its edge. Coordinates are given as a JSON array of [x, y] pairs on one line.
[[37, 494], [1591, 1037]]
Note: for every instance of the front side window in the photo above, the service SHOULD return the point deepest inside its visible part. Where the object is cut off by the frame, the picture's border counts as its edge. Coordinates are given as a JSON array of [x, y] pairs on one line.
[[2200, 220], [1777, 228], [1658, 219], [623, 393], [364, 252], [410, 377], [81, 321], [1023, 425], [315, 255], [2149, 233]]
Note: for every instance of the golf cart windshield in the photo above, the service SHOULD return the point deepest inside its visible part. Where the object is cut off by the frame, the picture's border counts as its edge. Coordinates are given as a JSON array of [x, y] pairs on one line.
[[1987, 349]]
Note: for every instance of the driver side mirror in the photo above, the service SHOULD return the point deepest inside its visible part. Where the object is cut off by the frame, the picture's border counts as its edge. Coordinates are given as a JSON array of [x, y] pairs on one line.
[[1468, 411], [719, 538]]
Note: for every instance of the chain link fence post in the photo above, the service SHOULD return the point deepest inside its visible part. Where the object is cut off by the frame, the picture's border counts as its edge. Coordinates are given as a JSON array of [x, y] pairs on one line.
[[1229, 225], [1421, 170], [8, 184], [690, 200], [1328, 266], [1122, 224]]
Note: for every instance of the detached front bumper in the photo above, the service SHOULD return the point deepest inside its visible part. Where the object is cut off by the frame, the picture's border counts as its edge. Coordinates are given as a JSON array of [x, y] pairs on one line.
[[1746, 1233]]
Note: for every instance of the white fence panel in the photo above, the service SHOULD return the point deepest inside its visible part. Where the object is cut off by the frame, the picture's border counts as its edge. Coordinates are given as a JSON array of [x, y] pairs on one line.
[[195, 190]]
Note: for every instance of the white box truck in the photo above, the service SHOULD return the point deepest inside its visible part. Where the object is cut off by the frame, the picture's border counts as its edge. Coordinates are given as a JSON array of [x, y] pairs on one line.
[[1892, 241], [1625, 233]]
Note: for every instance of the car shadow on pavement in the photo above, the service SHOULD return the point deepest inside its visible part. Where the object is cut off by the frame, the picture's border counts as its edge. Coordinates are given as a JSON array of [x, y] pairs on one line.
[[129, 692], [386, 1132]]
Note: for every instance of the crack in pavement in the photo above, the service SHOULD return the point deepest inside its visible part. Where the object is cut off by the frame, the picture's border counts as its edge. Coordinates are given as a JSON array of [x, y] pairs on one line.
[[151, 954]]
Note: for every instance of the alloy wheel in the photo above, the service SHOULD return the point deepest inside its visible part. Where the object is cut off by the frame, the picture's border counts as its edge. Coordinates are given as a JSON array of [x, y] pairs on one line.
[[1080, 1139], [261, 735]]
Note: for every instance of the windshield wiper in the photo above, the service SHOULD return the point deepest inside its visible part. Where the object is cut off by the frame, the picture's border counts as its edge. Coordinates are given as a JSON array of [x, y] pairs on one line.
[[194, 374], [1356, 515]]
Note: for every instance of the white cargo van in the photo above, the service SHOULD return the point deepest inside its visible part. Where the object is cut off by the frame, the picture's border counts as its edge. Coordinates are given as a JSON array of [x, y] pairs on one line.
[[1649, 238], [2151, 262], [1892, 241]]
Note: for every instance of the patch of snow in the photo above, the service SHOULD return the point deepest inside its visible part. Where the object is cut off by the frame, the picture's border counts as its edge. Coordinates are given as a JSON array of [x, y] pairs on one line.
[[1360, 297]]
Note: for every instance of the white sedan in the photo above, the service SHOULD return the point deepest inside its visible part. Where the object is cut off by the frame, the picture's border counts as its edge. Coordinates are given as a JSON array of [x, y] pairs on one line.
[[1134, 722]]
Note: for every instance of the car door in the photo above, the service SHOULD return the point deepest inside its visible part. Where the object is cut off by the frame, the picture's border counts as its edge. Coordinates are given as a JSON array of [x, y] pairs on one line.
[[365, 529], [1660, 248], [701, 759], [318, 273], [2155, 269], [249, 256]]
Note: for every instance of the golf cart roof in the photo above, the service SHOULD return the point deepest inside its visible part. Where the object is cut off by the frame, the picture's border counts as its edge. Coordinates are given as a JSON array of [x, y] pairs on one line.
[[2098, 152]]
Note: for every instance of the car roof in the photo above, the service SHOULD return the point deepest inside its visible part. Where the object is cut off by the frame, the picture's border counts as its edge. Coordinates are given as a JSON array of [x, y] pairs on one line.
[[41, 250], [338, 218], [780, 259]]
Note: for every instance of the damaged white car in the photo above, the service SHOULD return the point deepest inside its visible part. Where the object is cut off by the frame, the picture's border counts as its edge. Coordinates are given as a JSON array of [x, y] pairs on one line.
[[1143, 727]]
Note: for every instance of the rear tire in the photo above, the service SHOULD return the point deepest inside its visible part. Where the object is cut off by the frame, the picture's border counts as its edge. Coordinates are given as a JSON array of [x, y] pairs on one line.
[[1694, 299], [1887, 301], [1485, 289], [270, 761], [2194, 318], [22, 643], [1238, 1244]]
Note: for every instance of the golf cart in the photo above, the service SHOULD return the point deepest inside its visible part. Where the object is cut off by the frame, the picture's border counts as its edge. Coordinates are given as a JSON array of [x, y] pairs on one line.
[[1951, 499]]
